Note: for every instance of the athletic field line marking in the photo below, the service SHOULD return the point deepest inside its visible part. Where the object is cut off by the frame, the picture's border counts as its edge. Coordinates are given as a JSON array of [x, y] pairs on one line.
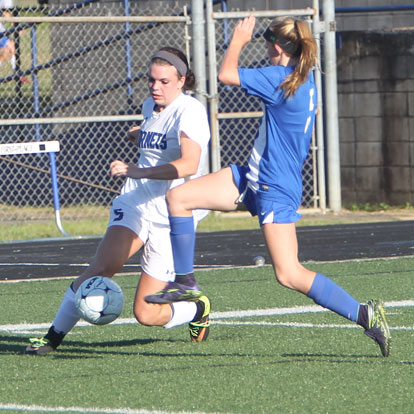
[[217, 316], [305, 325], [199, 268], [44, 409]]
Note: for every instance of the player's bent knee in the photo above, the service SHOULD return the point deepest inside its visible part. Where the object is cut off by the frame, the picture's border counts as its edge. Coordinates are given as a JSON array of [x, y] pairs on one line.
[[146, 315], [285, 279], [172, 197], [175, 201]]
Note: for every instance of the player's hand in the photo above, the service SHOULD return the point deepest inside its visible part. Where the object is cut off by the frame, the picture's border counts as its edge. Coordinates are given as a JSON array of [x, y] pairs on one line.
[[243, 31], [133, 134], [123, 169]]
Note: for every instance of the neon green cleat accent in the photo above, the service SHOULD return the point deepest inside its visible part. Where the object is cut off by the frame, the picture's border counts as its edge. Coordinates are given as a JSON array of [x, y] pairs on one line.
[[200, 329], [174, 292], [39, 346], [378, 328]]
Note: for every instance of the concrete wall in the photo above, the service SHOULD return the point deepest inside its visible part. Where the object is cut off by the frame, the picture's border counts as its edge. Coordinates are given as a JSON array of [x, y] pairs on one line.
[[376, 116]]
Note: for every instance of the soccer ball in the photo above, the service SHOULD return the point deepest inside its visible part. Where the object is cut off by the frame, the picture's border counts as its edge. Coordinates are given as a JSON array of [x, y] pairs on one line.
[[99, 300]]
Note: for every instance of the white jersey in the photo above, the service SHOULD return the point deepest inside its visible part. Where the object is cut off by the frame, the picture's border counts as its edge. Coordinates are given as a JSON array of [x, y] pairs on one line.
[[158, 144]]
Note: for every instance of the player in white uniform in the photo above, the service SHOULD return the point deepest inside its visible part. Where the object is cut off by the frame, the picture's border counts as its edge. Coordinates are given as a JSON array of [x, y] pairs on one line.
[[172, 142]]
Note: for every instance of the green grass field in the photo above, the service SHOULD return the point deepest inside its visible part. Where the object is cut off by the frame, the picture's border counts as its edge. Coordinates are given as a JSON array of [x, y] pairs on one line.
[[290, 362]]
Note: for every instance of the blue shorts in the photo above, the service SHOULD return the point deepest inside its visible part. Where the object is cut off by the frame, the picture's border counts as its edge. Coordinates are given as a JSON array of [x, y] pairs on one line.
[[268, 211], [3, 42]]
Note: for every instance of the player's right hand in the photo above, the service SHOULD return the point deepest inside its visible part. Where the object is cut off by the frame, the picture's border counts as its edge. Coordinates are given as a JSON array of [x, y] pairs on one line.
[[243, 31]]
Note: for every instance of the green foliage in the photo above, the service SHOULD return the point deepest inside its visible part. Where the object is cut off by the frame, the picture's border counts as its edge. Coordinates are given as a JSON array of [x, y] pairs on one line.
[[249, 364], [371, 207], [97, 226]]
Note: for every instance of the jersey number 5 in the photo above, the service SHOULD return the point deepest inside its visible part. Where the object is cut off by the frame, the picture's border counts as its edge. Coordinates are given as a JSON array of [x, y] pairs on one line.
[[119, 214]]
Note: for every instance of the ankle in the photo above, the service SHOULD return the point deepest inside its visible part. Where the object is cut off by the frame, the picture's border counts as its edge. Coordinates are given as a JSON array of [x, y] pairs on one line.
[[55, 338], [200, 311], [363, 317], [187, 279]]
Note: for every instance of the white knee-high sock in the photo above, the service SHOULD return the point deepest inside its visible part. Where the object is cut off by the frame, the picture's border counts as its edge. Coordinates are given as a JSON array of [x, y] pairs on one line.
[[182, 312], [67, 316]]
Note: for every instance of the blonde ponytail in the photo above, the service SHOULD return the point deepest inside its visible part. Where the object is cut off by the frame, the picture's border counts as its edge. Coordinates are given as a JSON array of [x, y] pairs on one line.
[[296, 32]]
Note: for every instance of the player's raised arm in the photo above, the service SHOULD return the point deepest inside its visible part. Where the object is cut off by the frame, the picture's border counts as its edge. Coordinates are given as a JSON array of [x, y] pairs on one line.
[[243, 32]]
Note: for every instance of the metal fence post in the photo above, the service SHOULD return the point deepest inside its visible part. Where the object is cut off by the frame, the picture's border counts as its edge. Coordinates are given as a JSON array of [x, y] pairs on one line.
[[199, 60], [213, 88], [331, 105], [198, 49], [319, 116], [128, 57], [52, 158]]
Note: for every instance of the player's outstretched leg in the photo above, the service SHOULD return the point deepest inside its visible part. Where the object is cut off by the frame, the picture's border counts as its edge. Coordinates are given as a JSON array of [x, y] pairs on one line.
[[200, 326], [184, 288], [65, 319], [372, 317]]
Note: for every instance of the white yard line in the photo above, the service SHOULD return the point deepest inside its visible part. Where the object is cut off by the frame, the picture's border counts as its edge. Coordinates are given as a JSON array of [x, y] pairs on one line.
[[217, 316], [43, 409]]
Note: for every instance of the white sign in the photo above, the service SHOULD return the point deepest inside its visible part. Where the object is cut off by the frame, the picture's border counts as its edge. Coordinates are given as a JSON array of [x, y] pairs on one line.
[[29, 147]]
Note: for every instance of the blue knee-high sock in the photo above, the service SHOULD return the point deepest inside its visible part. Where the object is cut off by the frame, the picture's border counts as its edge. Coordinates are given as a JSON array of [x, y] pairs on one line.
[[182, 235], [328, 294]]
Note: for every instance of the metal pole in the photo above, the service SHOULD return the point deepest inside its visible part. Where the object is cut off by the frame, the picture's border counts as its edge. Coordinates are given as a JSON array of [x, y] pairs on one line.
[[331, 105], [36, 104], [213, 88], [319, 115], [55, 188], [199, 50], [199, 61], [52, 158], [128, 56]]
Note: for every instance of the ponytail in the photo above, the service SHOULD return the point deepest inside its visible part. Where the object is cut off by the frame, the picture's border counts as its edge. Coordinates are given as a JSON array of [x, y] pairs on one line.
[[296, 32]]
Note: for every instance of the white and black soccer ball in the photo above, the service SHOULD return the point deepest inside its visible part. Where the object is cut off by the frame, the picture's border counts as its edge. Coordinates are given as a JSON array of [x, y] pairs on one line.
[[99, 300]]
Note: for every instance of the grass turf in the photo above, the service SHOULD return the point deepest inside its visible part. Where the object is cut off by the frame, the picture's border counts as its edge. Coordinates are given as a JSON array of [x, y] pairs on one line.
[[249, 365]]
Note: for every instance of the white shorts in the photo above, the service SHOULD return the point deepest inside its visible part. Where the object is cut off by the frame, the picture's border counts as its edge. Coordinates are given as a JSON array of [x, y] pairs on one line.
[[156, 260]]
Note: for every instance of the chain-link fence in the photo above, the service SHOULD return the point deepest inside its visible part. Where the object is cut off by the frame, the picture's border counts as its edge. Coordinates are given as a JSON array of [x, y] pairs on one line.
[[81, 81], [90, 77], [238, 129]]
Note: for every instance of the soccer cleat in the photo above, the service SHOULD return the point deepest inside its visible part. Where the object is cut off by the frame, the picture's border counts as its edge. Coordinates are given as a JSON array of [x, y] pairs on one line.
[[184, 288], [174, 292], [39, 346], [200, 329], [378, 328]]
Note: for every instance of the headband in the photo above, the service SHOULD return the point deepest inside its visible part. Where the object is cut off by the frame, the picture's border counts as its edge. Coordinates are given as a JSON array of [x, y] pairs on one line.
[[286, 45], [172, 59]]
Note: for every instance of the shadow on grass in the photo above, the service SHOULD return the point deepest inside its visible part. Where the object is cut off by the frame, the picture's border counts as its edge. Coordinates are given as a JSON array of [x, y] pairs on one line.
[[333, 358], [16, 345]]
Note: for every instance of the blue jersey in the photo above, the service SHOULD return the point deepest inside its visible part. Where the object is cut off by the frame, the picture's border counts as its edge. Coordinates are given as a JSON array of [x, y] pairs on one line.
[[282, 142]]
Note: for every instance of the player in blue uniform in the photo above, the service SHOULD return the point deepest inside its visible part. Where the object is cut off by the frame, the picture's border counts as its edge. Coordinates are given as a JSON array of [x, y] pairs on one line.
[[271, 185]]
